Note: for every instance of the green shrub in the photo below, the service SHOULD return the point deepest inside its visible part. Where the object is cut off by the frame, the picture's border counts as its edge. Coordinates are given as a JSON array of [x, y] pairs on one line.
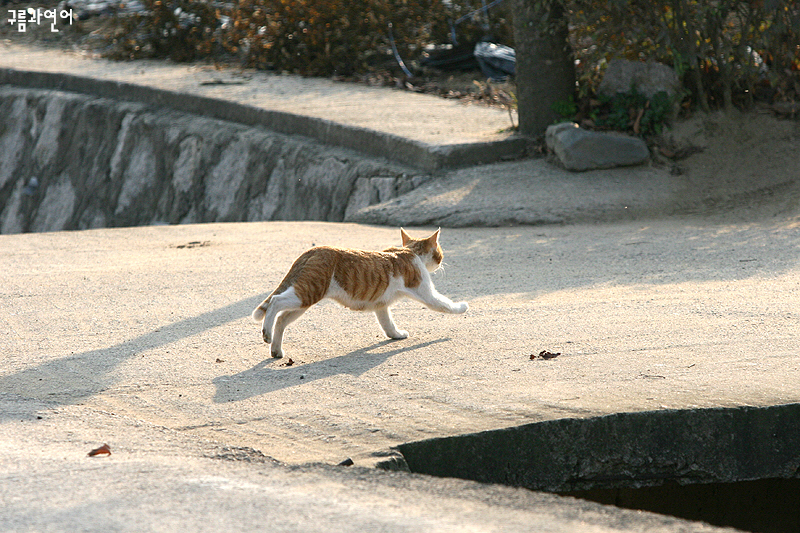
[[566, 109], [634, 112]]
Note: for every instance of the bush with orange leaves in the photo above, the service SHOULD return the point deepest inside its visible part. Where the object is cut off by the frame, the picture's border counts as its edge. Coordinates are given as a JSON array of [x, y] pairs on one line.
[[310, 37]]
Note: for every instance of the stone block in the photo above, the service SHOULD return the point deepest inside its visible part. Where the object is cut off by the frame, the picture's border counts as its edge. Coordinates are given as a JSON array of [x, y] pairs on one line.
[[579, 149]]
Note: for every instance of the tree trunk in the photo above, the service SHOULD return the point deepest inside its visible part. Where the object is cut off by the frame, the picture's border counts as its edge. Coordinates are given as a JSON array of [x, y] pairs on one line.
[[545, 70]]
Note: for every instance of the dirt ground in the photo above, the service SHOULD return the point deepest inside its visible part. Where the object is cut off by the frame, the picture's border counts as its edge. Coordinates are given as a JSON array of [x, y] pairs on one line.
[[736, 149]]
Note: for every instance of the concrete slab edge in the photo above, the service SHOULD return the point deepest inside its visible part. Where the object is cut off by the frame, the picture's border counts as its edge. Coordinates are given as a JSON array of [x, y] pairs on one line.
[[638, 449], [429, 158]]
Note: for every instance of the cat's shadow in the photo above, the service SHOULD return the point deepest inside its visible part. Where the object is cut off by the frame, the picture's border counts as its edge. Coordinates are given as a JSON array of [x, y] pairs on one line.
[[273, 374]]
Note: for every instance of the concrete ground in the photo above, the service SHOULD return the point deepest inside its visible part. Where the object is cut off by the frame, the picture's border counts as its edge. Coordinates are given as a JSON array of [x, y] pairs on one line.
[[140, 338]]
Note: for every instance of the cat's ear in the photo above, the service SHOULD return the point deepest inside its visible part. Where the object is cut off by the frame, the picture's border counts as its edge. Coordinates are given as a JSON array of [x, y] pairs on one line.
[[434, 239], [405, 236]]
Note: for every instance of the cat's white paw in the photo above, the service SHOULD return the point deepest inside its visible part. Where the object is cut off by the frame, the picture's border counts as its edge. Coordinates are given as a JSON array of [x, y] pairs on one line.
[[461, 307], [277, 354], [399, 334], [266, 336]]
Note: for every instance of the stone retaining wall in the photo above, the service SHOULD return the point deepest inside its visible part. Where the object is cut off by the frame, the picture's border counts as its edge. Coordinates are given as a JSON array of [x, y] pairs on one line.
[[71, 161]]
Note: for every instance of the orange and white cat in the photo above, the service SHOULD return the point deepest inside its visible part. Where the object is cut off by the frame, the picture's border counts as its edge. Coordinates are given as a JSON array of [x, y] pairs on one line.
[[360, 280]]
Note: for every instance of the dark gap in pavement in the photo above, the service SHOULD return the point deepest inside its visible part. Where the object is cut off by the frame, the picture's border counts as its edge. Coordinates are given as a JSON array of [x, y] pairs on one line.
[[762, 505], [735, 467]]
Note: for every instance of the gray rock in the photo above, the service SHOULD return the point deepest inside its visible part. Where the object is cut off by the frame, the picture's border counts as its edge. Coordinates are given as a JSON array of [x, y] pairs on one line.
[[363, 196], [648, 78], [385, 186], [579, 149]]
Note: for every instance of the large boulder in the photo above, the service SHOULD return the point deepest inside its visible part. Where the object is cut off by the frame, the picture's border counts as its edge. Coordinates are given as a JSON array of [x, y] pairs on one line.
[[579, 149], [647, 78]]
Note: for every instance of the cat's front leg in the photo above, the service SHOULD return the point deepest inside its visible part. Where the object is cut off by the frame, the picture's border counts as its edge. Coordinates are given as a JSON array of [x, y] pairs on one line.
[[460, 307], [445, 305], [428, 295], [387, 324]]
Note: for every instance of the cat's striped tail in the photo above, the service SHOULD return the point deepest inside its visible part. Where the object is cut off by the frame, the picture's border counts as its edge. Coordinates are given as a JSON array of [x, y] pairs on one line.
[[260, 311]]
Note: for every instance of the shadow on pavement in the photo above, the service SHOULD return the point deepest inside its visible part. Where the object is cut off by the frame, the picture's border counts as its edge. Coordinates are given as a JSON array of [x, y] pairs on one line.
[[268, 377], [70, 380]]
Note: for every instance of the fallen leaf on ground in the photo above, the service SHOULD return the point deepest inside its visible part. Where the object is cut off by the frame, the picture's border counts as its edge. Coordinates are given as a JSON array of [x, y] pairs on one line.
[[194, 244], [102, 450], [544, 354]]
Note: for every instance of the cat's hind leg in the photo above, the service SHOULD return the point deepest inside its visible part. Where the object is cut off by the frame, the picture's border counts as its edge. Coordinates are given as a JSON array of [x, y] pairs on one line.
[[384, 316], [278, 303], [258, 313], [283, 320]]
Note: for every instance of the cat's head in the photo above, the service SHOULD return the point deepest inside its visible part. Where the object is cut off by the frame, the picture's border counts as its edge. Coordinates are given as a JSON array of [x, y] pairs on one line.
[[426, 249]]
